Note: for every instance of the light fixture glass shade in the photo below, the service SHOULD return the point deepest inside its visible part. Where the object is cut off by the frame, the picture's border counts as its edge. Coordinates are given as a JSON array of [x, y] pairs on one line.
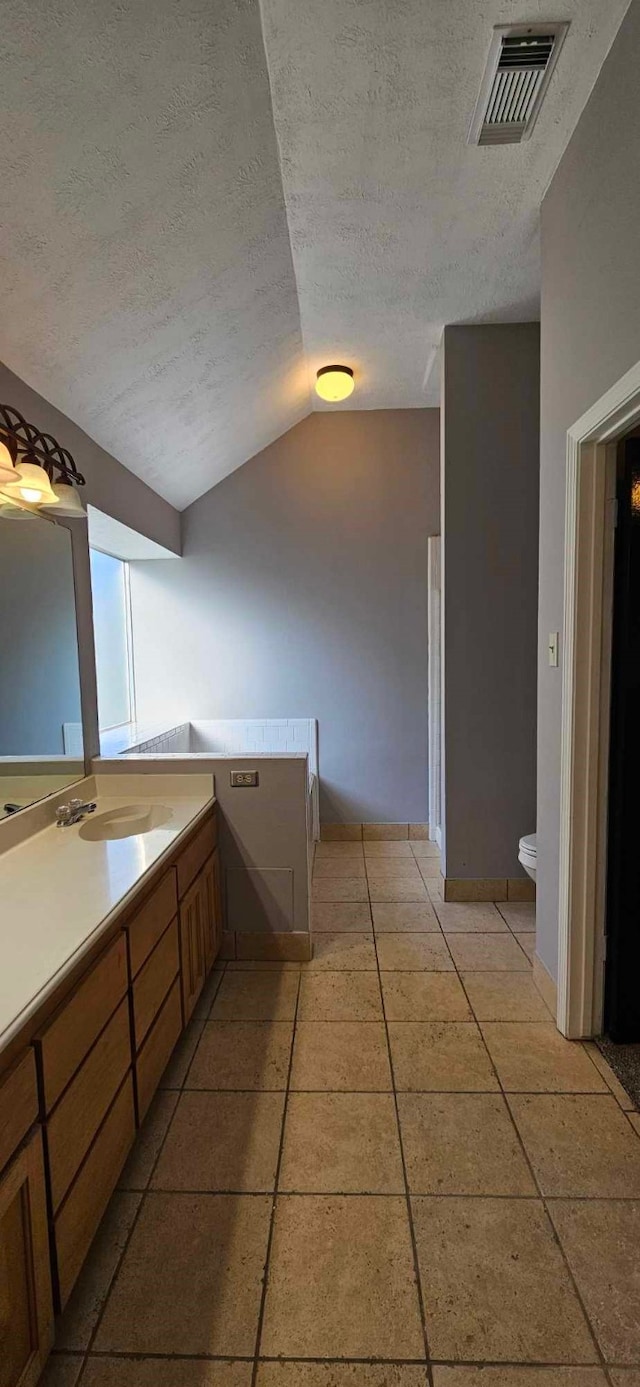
[[68, 502], [31, 484], [9, 511], [334, 383], [7, 469]]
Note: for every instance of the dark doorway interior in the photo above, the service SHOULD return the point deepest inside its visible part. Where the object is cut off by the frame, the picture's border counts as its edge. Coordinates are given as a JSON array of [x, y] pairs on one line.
[[622, 969]]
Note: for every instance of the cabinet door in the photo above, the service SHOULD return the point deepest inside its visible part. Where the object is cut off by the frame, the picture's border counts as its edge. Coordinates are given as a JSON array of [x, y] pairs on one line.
[[192, 950], [26, 1312]]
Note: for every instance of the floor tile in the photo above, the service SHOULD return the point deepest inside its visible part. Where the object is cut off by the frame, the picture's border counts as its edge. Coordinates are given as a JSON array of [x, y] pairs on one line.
[[139, 1166], [341, 833], [165, 1372], [178, 1066], [74, 1329], [263, 965], [242, 1054], [487, 953], [341, 1143], [504, 997], [355, 1296], [375, 850], [340, 997], [340, 917], [601, 1240], [405, 917], [411, 952], [222, 1141], [392, 869], [579, 1146], [475, 917], [425, 848], [495, 1284], [212, 1245], [62, 1370], [335, 952], [333, 868], [340, 1056], [442, 1058], [519, 915], [611, 1080], [532, 1057], [256, 996], [462, 1143], [519, 1377], [341, 1375], [527, 941], [396, 889], [351, 888], [424, 997], [338, 849], [429, 868]]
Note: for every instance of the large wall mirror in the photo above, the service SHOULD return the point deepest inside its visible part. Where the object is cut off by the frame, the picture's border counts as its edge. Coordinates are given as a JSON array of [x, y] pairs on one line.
[[41, 746]]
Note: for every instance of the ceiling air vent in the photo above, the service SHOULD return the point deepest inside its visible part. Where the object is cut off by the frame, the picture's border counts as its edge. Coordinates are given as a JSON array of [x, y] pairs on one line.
[[521, 60]]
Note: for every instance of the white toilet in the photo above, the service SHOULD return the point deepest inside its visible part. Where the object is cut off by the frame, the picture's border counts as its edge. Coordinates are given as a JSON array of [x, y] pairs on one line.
[[528, 854]]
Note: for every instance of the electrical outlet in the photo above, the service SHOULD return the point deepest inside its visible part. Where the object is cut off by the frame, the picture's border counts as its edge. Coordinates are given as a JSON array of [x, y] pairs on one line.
[[246, 779]]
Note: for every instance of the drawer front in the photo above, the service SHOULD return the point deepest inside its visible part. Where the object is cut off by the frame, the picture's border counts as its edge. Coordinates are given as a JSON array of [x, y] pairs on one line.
[[78, 1219], [150, 922], [193, 909], [65, 1041], [153, 982], [193, 857], [18, 1104], [75, 1120], [158, 1048]]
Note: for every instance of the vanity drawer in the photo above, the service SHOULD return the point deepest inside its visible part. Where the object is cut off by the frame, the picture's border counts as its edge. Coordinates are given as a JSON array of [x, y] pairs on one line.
[[79, 1216], [158, 1048], [75, 1120], [153, 982], [195, 855], [149, 923], [18, 1104], [63, 1044]]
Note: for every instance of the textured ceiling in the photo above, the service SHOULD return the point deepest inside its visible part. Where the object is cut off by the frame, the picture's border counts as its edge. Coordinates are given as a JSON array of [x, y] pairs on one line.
[[191, 227]]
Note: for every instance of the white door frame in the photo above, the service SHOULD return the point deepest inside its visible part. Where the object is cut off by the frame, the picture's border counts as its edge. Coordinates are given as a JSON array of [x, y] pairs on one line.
[[435, 689], [588, 605]]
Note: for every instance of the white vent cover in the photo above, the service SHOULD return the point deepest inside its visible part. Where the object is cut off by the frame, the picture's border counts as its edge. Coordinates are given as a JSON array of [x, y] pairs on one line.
[[521, 60]]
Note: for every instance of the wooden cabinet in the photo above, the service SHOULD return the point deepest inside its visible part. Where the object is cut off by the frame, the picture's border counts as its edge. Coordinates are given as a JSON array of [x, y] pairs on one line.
[[26, 1310], [88, 1065], [200, 931], [192, 932]]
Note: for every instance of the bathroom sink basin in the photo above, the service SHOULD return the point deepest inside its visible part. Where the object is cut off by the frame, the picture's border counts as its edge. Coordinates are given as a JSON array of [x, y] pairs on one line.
[[126, 821]]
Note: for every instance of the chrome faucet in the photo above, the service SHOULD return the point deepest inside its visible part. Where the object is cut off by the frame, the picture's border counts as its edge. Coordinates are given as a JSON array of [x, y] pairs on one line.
[[73, 812]]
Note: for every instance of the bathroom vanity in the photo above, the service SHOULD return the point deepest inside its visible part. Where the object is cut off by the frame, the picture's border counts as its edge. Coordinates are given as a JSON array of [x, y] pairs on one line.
[[84, 1048]]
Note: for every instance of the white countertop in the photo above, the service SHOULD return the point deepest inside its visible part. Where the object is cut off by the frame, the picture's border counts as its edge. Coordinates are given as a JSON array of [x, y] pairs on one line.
[[59, 891]]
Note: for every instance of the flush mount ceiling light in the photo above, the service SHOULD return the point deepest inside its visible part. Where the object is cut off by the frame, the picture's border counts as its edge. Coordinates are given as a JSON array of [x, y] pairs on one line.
[[334, 383], [34, 469]]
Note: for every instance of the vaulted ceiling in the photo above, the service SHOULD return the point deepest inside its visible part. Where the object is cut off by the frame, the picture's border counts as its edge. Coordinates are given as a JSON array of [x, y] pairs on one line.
[[205, 200]]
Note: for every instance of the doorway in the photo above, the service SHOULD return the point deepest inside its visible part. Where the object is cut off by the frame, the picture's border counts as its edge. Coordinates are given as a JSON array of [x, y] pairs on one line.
[[622, 967]]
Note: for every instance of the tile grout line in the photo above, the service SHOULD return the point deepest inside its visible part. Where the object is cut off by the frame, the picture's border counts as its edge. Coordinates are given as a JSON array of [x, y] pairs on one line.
[[407, 1196], [600, 1356], [274, 1197], [145, 1191]]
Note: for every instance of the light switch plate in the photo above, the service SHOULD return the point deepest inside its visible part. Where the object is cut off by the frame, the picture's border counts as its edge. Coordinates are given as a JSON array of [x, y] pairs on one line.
[[553, 647]]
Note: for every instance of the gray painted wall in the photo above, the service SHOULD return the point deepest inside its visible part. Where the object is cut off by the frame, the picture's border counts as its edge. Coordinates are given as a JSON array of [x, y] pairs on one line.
[[39, 679], [490, 508], [302, 593], [110, 486], [590, 337]]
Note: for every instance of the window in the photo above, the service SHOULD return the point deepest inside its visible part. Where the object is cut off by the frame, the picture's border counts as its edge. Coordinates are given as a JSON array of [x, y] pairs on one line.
[[112, 632]]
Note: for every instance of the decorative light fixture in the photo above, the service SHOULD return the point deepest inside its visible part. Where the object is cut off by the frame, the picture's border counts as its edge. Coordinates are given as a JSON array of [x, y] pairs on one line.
[[334, 383], [34, 469]]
